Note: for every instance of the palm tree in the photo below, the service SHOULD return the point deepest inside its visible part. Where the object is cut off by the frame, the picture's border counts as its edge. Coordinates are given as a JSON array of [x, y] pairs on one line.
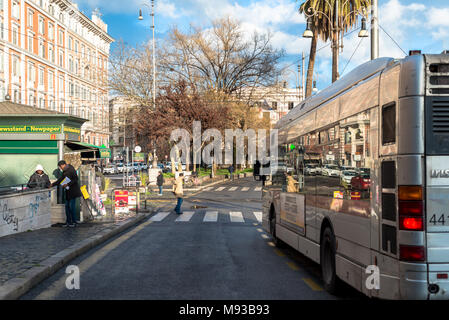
[[325, 26]]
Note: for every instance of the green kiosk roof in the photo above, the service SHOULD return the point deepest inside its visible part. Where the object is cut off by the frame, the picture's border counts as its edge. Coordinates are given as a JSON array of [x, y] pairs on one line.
[[100, 151]]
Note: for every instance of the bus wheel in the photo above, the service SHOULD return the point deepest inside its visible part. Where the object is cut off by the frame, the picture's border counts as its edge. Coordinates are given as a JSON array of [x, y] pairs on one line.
[[327, 251], [277, 242]]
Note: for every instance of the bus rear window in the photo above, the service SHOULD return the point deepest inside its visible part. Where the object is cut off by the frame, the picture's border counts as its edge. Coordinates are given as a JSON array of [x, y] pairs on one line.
[[389, 124]]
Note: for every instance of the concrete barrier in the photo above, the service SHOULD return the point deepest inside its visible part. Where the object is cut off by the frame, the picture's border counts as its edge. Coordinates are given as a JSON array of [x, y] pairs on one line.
[[23, 211]]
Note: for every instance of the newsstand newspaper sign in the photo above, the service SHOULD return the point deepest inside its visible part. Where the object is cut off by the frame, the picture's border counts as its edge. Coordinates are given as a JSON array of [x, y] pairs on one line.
[[121, 201]]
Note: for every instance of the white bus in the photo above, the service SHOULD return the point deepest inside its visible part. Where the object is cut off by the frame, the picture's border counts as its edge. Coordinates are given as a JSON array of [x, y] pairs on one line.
[[388, 119]]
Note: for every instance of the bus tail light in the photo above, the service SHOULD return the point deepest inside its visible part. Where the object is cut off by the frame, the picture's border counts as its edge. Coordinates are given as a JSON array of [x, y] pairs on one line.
[[411, 208], [412, 253], [411, 223], [410, 193]]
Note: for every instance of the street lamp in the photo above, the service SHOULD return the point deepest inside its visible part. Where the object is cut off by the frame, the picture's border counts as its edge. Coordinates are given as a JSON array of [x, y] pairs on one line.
[[363, 33], [154, 66], [333, 19]]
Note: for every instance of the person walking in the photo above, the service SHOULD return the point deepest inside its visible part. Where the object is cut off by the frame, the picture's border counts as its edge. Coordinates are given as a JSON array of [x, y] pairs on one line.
[[257, 170], [69, 182], [231, 172], [160, 182], [178, 192], [39, 179]]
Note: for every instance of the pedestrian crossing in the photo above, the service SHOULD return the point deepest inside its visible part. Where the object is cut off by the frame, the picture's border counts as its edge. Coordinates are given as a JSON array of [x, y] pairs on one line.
[[240, 189], [234, 217]]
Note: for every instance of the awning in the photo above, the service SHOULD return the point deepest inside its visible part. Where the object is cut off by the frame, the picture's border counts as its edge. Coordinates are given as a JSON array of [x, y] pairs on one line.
[[89, 150]]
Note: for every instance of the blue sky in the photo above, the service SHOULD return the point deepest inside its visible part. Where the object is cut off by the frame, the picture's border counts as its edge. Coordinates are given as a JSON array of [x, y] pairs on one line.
[[413, 24]]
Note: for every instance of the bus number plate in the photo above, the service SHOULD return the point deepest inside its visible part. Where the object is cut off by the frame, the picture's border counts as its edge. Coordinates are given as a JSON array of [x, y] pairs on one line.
[[439, 220]]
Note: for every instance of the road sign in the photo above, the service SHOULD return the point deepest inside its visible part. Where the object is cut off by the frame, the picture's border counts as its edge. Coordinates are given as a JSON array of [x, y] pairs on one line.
[[137, 149]]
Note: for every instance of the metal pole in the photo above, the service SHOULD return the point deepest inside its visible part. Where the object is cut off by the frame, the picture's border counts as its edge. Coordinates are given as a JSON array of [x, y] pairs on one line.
[[154, 71], [337, 5], [374, 31], [303, 78]]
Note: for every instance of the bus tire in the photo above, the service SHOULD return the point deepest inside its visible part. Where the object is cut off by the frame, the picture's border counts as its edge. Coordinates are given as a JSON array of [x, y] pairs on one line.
[[277, 242], [327, 261]]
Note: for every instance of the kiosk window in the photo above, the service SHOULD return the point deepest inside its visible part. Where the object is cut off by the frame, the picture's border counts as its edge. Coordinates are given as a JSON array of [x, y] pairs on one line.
[[389, 124]]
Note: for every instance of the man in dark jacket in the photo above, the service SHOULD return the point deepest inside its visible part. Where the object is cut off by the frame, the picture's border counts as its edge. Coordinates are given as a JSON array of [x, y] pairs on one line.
[[160, 182], [39, 179], [72, 190]]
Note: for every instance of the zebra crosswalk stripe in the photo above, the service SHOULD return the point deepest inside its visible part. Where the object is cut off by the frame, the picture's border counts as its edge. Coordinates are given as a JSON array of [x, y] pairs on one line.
[[245, 189], [258, 189], [159, 216], [233, 188], [220, 189], [211, 216], [208, 188], [185, 216], [258, 215], [236, 216]]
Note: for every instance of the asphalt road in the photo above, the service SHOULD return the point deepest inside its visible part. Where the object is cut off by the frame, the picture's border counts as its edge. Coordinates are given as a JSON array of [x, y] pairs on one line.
[[218, 252]]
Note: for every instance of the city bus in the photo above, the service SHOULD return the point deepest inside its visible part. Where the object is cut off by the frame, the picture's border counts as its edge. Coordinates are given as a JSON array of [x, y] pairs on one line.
[[388, 119]]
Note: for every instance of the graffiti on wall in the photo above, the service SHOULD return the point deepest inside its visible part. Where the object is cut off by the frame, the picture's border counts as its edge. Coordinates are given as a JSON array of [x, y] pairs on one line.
[[8, 217]]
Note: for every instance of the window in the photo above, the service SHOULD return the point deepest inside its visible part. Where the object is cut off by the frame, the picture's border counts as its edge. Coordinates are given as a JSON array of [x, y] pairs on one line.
[[41, 25], [31, 72], [41, 76], [41, 102], [30, 18], [290, 105], [274, 105], [51, 9], [2, 68], [41, 49], [71, 89], [61, 58], [50, 80], [61, 86], [15, 36], [50, 31], [70, 64], [15, 10], [389, 124], [15, 66], [70, 43], [2, 29], [51, 53], [30, 99], [76, 46], [30, 41], [61, 37]]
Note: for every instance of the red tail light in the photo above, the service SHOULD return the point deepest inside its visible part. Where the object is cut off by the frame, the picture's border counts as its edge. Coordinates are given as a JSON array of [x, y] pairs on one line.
[[411, 223], [410, 208], [411, 253]]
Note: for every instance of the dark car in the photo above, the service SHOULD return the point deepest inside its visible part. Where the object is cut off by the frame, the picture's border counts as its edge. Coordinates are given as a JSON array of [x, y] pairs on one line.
[[361, 181]]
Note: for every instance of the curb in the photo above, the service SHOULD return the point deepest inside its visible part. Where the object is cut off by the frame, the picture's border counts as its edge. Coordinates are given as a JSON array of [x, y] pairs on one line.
[[16, 287]]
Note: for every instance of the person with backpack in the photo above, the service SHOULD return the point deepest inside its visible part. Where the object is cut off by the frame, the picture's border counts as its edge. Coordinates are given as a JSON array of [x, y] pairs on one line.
[[160, 182]]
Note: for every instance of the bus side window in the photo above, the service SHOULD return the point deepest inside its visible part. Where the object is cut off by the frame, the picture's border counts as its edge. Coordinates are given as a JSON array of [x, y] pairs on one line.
[[389, 124]]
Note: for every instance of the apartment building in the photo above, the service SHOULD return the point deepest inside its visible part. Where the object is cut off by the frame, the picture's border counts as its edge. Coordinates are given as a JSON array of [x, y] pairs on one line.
[[52, 56]]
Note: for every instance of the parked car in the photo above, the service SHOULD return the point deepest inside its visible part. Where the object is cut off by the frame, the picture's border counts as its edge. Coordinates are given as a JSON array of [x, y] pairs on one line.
[[363, 170], [109, 169], [331, 170], [312, 170], [346, 177], [347, 168], [120, 167], [361, 181]]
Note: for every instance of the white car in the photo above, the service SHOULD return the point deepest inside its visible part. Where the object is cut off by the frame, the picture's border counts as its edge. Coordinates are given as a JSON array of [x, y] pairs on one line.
[[109, 170], [312, 170], [120, 168], [331, 170], [347, 175]]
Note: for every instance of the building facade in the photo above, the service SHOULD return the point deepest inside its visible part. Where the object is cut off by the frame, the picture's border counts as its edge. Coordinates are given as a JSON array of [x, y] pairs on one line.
[[120, 122], [54, 57]]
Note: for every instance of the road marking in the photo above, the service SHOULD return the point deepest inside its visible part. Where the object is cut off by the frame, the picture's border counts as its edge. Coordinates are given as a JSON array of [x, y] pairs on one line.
[[211, 216], [236, 216], [58, 286], [258, 215], [279, 253], [264, 236], [245, 189], [271, 244], [185, 216], [208, 188], [293, 266], [233, 188], [160, 216], [258, 189], [220, 189], [260, 230], [312, 284]]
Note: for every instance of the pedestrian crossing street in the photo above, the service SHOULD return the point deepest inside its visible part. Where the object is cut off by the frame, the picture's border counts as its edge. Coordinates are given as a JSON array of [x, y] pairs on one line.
[[208, 216], [244, 189]]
